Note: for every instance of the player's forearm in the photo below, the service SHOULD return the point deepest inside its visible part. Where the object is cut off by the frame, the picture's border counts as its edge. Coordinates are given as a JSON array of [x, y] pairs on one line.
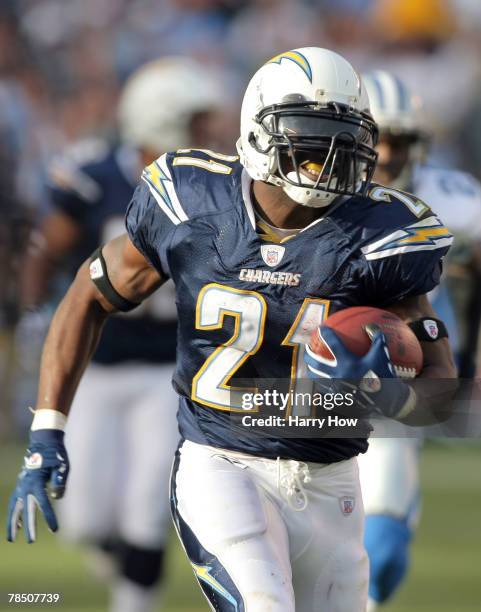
[[437, 383], [77, 324], [71, 341]]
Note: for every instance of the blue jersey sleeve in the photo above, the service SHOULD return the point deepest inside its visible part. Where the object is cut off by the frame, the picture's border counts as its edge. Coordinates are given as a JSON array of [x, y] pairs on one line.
[[154, 214], [148, 228], [396, 278], [406, 262]]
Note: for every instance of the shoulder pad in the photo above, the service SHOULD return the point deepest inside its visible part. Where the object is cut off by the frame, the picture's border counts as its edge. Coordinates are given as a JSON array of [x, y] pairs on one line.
[[70, 171], [159, 177], [205, 158], [193, 182], [392, 222], [409, 225], [427, 234], [402, 243], [404, 206]]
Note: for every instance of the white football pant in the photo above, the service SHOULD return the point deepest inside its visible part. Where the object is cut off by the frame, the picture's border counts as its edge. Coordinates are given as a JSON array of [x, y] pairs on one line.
[[271, 536]]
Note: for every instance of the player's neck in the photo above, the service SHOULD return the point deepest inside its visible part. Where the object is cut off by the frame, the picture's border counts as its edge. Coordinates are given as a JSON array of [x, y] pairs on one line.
[[279, 210]]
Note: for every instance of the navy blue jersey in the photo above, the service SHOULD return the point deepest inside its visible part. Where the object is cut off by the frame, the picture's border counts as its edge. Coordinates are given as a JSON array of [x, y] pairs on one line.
[[93, 184], [247, 306]]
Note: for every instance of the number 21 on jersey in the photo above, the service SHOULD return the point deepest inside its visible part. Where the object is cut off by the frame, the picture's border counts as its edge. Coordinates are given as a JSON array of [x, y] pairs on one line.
[[249, 310]]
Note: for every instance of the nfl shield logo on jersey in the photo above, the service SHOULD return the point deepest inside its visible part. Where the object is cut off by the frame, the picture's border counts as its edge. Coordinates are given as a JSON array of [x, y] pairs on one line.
[[347, 505], [272, 254]]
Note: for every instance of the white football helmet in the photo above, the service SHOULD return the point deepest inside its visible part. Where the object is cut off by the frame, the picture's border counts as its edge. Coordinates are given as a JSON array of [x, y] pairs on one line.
[[159, 101], [399, 115], [306, 127]]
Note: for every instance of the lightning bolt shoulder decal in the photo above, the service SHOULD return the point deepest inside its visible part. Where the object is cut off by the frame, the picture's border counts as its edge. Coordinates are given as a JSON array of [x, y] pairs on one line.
[[158, 178], [425, 235]]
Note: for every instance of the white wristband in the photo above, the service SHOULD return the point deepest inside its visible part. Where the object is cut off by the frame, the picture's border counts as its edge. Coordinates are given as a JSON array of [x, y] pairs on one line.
[[45, 418]]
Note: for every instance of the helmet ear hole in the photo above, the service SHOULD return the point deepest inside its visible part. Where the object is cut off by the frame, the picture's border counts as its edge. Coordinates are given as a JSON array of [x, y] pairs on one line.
[[255, 141]]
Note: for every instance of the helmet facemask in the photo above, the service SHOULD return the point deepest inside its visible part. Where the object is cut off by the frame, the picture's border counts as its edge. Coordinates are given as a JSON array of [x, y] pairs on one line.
[[318, 153]]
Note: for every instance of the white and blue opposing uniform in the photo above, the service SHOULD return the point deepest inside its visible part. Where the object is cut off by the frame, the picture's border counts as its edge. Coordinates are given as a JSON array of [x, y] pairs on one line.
[[390, 469], [121, 432], [456, 197], [269, 522]]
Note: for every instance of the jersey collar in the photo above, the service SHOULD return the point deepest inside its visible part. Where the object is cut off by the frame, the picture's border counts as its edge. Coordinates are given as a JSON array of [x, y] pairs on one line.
[[246, 182]]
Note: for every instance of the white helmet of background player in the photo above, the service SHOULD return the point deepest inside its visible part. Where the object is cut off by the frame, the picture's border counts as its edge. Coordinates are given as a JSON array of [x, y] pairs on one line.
[[306, 127], [159, 101], [399, 116]]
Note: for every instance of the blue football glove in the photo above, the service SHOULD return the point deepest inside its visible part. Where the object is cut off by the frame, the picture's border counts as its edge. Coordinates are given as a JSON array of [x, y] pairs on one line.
[[46, 462], [378, 389]]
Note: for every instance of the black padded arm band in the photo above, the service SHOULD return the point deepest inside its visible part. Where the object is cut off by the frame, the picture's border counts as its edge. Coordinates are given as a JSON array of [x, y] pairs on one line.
[[99, 276], [428, 329]]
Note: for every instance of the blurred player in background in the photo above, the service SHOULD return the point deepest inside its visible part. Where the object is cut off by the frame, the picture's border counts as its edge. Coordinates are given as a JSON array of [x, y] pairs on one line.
[[389, 471], [123, 430], [15, 223]]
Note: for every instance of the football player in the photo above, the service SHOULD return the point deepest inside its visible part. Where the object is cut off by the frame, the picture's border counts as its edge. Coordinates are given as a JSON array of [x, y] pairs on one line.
[[389, 470], [268, 522], [122, 432]]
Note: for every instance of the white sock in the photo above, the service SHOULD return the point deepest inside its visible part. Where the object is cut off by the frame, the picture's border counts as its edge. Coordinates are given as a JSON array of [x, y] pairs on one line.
[[127, 596]]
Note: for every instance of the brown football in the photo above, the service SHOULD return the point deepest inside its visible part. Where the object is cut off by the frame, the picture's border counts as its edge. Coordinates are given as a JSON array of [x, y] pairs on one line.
[[350, 325]]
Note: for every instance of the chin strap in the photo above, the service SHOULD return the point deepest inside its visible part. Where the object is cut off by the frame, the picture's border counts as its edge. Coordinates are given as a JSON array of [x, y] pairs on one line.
[[309, 197]]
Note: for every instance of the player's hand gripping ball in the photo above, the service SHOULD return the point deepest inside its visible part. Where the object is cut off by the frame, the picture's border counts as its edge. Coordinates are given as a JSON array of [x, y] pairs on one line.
[[370, 350], [354, 327]]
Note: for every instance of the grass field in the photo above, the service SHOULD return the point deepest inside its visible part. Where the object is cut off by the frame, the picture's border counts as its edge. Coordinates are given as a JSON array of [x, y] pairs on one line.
[[445, 573]]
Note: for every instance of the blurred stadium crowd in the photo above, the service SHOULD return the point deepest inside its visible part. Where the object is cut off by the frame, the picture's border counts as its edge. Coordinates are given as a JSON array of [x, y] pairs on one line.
[[63, 64]]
